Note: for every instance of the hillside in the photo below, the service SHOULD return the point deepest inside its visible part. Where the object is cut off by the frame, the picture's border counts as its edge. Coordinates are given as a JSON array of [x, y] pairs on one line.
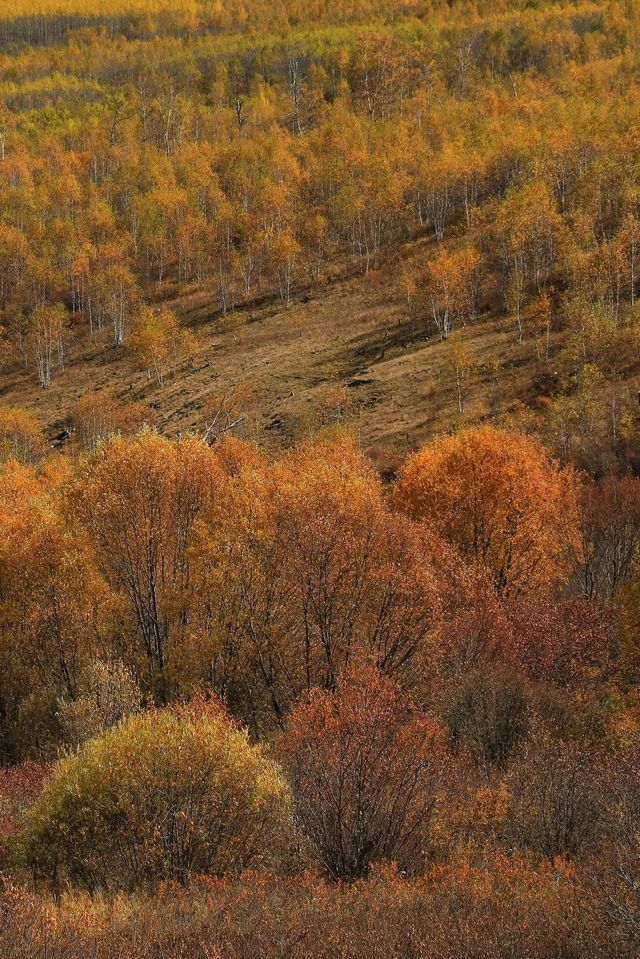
[[394, 215], [348, 351], [319, 479]]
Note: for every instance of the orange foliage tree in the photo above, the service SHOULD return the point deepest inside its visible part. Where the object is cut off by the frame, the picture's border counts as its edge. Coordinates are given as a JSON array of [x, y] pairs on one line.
[[500, 500], [54, 606], [137, 503], [157, 340], [306, 566], [20, 436]]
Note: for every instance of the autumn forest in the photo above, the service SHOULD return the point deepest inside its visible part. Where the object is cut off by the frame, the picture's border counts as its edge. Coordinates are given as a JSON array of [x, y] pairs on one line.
[[319, 479]]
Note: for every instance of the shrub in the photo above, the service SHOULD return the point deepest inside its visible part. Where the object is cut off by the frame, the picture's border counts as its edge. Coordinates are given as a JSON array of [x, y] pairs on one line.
[[488, 716], [557, 806], [562, 644], [364, 770], [164, 795]]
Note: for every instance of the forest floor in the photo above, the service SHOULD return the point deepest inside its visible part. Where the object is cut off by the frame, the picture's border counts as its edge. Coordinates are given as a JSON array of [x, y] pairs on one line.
[[345, 350]]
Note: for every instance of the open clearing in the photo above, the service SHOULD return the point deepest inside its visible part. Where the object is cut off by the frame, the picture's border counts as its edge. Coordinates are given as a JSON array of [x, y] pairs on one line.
[[346, 350]]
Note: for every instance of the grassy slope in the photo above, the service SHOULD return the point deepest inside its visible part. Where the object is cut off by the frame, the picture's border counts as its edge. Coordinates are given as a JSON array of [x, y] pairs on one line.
[[286, 364]]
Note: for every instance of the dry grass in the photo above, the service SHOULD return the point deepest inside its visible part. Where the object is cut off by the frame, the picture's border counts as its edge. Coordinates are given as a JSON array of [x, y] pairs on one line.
[[293, 369]]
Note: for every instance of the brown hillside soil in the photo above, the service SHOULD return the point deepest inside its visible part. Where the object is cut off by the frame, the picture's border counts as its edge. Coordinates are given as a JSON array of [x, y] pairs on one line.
[[347, 350]]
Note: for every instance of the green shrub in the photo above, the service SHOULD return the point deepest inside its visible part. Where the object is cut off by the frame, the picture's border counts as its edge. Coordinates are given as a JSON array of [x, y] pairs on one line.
[[167, 794]]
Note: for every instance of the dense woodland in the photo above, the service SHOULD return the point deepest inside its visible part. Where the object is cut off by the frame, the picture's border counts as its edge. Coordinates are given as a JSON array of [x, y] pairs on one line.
[[257, 705]]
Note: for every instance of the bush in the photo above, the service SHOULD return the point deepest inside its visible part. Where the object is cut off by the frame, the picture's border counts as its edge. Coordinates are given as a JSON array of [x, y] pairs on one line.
[[488, 716], [365, 771], [20, 787], [165, 795], [557, 805]]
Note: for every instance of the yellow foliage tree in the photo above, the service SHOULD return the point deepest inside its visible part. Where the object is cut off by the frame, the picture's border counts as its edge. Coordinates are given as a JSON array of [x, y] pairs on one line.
[[500, 500]]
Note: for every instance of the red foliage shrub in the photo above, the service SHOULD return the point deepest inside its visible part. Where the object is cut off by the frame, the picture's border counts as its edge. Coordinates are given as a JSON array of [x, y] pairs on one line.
[[364, 768], [567, 644], [20, 786]]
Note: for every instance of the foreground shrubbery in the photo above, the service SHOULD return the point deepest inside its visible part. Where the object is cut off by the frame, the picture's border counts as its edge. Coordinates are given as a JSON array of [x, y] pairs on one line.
[[501, 911], [165, 795]]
